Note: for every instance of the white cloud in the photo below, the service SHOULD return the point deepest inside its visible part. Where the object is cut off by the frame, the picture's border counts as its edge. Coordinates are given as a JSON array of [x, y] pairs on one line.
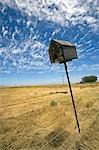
[[60, 11], [4, 31], [63, 12], [29, 55], [29, 23], [2, 50], [86, 67]]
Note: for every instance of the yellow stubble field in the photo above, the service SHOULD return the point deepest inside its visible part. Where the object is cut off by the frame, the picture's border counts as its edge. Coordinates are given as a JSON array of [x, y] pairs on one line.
[[42, 118]]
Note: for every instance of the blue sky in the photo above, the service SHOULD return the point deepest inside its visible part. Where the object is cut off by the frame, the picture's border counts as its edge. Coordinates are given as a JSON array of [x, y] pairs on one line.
[[26, 29]]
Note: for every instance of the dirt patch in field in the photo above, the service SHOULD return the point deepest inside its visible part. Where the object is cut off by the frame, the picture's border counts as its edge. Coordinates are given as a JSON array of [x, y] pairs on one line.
[[57, 137]]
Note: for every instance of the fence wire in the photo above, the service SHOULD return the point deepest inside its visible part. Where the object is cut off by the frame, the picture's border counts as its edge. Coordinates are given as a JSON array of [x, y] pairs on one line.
[[44, 127], [47, 126], [68, 139]]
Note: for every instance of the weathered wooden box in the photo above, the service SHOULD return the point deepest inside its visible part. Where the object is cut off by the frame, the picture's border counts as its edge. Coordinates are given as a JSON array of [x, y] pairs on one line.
[[59, 48]]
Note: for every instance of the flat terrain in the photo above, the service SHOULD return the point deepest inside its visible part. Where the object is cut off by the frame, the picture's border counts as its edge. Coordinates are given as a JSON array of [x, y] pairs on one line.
[[42, 118]]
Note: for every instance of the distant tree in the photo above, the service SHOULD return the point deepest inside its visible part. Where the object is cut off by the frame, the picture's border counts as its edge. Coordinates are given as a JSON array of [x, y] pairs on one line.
[[88, 79]]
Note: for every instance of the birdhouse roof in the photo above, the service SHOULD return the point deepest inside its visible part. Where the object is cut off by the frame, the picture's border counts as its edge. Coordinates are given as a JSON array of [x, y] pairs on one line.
[[63, 43]]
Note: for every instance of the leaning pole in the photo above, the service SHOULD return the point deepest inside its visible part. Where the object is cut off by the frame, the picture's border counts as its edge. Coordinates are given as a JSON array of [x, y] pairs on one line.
[[62, 52]]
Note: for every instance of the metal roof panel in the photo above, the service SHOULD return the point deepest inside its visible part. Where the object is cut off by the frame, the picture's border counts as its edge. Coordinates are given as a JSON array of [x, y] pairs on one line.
[[64, 43]]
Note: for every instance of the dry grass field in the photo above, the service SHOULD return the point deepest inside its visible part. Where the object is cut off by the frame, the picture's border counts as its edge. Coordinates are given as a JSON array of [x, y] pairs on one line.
[[42, 118]]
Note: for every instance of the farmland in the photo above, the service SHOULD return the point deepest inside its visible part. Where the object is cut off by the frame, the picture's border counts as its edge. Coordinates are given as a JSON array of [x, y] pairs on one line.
[[42, 118]]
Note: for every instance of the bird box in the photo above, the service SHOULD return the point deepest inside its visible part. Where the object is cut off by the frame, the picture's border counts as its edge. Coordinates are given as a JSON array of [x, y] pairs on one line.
[[62, 51]]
